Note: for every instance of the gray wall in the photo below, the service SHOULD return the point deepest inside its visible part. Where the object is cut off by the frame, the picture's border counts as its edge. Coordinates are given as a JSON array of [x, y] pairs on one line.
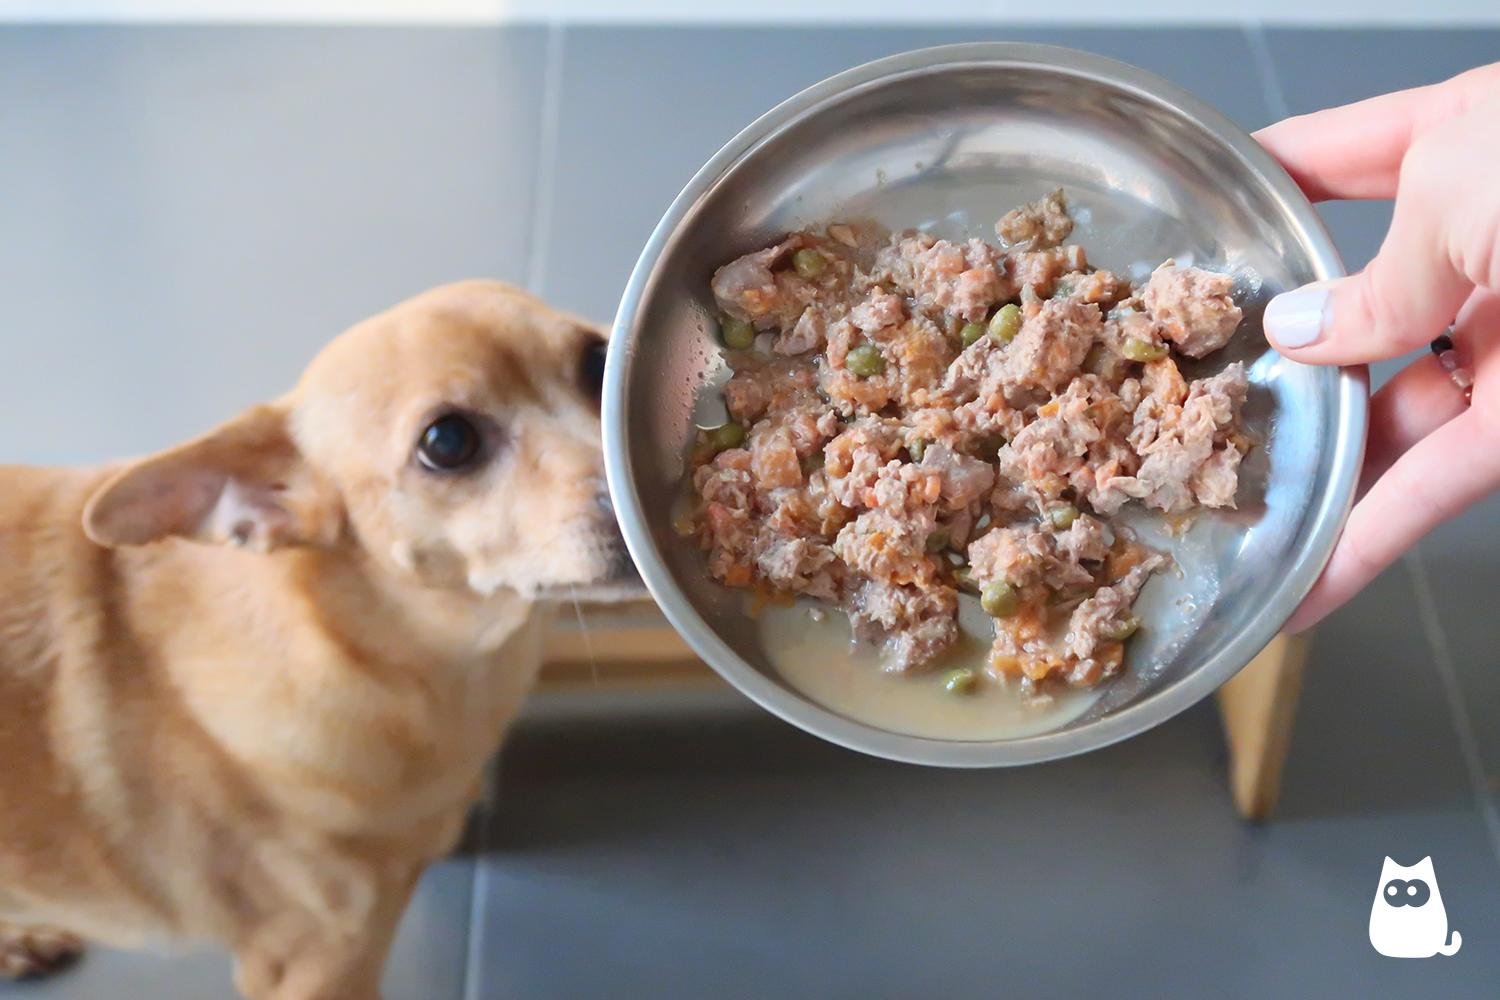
[[187, 214]]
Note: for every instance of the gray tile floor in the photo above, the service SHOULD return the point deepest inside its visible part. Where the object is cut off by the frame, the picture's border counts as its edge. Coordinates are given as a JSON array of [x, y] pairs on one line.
[[188, 213]]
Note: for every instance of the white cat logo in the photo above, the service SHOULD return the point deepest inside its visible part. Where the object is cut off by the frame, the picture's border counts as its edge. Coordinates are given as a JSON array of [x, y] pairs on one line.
[[1407, 919]]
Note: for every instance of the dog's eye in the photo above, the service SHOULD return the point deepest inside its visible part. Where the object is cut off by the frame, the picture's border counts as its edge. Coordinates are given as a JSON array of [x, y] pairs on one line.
[[591, 368], [449, 443]]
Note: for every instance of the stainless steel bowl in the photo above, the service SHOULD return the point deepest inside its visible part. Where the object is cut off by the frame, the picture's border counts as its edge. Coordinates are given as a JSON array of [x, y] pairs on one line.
[[947, 139]]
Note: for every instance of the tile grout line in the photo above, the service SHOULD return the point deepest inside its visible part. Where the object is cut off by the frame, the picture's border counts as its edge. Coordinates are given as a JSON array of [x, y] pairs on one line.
[[1463, 726], [536, 262], [546, 158], [479, 884], [1265, 69]]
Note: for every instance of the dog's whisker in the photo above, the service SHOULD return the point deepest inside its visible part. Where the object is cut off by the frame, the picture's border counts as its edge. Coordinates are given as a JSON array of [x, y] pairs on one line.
[[583, 630]]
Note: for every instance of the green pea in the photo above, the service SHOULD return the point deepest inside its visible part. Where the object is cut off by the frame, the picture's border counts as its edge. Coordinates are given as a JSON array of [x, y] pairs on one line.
[[916, 449], [970, 333], [1139, 350], [1006, 323], [999, 599], [961, 681], [865, 360], [1119, 631], [1062, 516], [809, 263], [727, 436], [938, 540], [739, 334]]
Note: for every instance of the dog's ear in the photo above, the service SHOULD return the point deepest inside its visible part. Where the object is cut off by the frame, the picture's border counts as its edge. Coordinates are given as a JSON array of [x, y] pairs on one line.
[[243, 484]]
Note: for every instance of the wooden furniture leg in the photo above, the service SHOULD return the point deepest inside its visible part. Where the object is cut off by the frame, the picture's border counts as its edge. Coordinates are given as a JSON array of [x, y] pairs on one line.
[[1258, 706], [633, 646]]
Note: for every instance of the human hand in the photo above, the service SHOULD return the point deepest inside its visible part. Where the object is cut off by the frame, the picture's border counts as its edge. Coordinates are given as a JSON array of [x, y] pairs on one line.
[[1429, 454]]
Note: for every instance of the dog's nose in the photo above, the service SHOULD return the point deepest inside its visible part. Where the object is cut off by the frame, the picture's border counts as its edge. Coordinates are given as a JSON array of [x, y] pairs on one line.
[[602, 500]]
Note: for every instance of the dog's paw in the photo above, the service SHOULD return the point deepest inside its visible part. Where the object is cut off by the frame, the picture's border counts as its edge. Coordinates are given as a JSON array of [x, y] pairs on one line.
[[26, 952]]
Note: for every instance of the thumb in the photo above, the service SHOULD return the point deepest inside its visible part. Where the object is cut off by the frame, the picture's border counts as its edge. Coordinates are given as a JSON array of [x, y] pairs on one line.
[[1409, 294]]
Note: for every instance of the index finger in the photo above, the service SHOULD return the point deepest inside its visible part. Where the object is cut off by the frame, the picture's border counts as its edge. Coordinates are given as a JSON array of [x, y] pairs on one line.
[[1355, 151]]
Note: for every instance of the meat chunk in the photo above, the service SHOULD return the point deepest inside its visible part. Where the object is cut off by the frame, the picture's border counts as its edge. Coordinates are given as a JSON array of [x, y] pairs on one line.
[[1102, 288], [977, 369], [811, 426], [773, 457], [964, 479], [726, 528], [906, 488], [809, 511], [888, 546], [854, 459], [915, 624], [962, 281], [799, 566], [987, 421], [1088, 539], [918, 353], [807, 334], [746, 397], [1051, 344], [771, 386], [1077, 442], [1192, 308], [1039, 271], [1178, 444], [765, 289], [878, 310], [1217, 480], [746, 288], [1041, 223], [1046, 352], [1100, 622], [1015, 555], [1025, 555]]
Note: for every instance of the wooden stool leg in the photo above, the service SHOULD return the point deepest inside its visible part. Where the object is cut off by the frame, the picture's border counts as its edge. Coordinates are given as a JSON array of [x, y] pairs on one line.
[[1258, 706]]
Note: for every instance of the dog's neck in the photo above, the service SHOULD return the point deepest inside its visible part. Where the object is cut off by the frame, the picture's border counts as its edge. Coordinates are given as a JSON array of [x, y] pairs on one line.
[[385, 696], [360, 599]]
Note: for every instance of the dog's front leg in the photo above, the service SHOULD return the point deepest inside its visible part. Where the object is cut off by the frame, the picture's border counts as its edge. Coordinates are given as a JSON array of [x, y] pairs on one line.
[[295, 956], [26, 952]]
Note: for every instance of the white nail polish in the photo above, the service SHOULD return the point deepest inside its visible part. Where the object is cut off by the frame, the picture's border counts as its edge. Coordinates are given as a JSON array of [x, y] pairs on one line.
[[1295, 319]]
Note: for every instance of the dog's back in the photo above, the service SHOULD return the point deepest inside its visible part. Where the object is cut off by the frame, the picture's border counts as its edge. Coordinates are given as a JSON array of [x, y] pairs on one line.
[[42, 551], [55, 587]]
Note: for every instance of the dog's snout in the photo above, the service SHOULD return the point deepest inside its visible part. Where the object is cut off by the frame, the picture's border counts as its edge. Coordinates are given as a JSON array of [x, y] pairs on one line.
[[621, 566], [621, 575], [602, 501]]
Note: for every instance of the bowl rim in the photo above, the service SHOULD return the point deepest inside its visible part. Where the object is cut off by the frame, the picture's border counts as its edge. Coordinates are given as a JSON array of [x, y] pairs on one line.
[[1327, 512]]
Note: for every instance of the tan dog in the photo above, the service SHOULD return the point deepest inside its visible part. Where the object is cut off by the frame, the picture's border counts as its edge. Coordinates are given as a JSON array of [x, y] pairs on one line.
[[248, 685]]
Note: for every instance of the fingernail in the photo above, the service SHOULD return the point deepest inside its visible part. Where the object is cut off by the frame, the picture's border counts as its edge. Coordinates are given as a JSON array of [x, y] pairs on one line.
[[1295, 319]]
